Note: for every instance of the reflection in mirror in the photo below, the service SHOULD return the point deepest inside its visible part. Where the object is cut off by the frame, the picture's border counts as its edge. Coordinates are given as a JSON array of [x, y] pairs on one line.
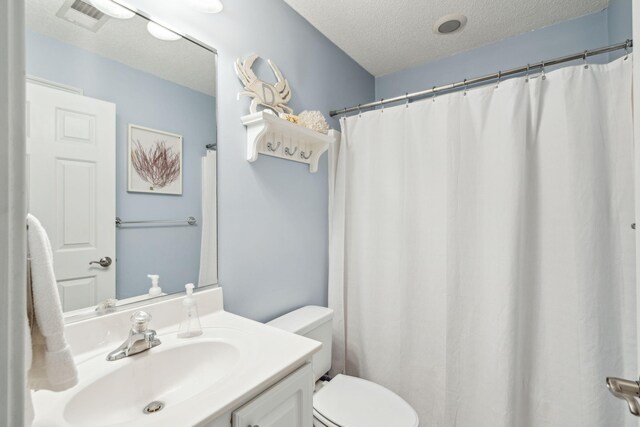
[[120, 112]]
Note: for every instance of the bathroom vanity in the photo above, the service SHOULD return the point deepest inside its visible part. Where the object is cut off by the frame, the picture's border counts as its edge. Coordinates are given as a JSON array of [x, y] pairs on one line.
[[238, 373]]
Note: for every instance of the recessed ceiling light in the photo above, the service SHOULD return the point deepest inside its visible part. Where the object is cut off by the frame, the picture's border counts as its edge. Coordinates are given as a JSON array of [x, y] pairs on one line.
[[162, 33], [113, 9], [450, 24], [207, 6]]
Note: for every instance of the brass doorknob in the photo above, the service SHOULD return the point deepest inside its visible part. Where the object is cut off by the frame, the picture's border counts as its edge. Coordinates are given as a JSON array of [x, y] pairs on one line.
[[104, 262]]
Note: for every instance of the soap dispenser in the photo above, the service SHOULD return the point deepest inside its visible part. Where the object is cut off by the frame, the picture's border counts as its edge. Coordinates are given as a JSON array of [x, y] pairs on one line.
[[154, 290], [190, 325]]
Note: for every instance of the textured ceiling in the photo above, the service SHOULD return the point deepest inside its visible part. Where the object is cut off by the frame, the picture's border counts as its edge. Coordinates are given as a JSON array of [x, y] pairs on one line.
[[129, 42], [390, 35]]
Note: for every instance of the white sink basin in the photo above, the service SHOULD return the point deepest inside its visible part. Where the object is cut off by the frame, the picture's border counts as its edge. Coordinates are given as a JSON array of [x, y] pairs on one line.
[[170, 375], [200, 380], [113, 393]]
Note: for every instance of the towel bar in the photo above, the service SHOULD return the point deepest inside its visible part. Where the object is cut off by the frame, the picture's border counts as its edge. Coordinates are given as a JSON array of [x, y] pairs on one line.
[[190, 221]]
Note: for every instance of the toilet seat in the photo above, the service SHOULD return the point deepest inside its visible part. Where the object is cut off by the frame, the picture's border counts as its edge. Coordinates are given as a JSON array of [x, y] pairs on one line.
[[353, 402]]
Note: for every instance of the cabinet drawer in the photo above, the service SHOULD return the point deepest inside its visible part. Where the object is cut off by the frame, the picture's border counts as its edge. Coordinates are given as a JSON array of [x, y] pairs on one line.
[[287, 404]]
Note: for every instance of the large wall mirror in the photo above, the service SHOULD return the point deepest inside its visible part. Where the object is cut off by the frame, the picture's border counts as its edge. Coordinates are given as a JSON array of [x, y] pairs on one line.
[[121, 137]]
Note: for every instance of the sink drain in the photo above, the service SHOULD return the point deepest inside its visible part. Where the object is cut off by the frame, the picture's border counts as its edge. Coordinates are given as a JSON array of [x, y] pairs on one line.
[[153, 407]]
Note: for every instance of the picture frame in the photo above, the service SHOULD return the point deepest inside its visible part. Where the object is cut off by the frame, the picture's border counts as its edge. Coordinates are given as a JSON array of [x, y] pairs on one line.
[[155, 160]]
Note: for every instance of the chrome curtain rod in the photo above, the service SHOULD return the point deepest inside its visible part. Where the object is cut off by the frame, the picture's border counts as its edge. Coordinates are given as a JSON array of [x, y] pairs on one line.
[[190, 221], [495, 76]]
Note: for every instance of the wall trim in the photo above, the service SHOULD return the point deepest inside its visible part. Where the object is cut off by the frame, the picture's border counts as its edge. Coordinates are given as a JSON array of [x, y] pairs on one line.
[[12, 214], [636, 135], [54, 85]]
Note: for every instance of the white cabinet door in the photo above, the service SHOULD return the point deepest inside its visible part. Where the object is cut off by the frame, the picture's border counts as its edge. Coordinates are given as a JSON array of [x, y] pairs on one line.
[[287, 404], [71, 146]]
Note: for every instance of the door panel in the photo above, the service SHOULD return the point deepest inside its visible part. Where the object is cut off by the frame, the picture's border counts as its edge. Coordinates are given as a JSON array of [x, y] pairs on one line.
[[636, 117], [71, 178]]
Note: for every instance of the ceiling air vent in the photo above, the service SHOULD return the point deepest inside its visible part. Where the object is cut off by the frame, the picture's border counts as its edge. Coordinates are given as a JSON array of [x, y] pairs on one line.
[[83, 14], [87, 9]]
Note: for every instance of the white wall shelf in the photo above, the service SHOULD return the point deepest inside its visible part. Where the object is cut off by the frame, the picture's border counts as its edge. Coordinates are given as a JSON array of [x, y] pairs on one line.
[[270, 135]]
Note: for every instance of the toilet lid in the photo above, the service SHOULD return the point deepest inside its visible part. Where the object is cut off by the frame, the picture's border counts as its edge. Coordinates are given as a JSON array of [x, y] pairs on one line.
[[353, 402]]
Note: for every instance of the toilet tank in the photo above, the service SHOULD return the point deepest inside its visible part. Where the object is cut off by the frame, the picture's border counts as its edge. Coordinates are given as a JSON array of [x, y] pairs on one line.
[[315, 323]]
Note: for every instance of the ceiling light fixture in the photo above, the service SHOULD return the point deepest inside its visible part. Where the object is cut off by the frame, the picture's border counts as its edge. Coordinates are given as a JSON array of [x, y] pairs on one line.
[[113, 9], [207, 6], [162, 33], [450, 24]]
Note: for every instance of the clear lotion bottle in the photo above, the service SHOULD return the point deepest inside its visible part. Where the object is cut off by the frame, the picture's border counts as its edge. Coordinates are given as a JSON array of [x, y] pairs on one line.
[[190, 325]]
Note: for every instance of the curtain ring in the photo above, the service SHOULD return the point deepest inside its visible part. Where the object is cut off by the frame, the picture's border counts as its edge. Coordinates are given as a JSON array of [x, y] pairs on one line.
[[626, 49], [527, 75], [435, 93], [544, 76], [584, 58], [465, 87], [406, 96], [359, 110], [499, 79], [382, 104]]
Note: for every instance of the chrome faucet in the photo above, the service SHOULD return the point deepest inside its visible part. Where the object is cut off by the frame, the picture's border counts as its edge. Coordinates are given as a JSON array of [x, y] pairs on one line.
[[140, 338]]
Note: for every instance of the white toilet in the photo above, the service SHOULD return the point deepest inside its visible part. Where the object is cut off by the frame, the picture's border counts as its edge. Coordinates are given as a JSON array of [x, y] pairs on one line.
[[344, 401]]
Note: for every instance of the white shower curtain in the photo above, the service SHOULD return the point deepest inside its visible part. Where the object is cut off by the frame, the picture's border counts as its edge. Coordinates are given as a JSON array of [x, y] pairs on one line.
[[481, 254], [208, 242]]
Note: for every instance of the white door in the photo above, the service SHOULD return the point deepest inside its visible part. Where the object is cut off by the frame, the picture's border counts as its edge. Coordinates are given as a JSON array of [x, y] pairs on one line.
[[636, 137], [71, 183], [629, 388]]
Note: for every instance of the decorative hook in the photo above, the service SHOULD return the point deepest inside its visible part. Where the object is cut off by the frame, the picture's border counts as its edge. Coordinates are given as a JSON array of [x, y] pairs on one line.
[[435, 93], [465, 87], [584, 58], [270, 146], [289, 152], [627, 45], [306, 157]]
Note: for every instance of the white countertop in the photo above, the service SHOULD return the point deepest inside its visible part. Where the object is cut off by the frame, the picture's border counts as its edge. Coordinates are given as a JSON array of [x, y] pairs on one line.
[[268, 355]]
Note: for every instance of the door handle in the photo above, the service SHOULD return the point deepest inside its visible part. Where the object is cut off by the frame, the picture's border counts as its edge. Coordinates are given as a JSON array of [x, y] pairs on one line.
[[627, 390], [104, 262]]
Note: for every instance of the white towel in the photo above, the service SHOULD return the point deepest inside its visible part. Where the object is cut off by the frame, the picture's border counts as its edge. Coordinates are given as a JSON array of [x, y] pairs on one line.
[[28, 405], [52, 367]]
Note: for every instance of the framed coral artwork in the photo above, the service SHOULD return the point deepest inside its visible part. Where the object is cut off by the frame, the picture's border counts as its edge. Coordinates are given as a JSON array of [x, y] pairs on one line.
[[155, 161]]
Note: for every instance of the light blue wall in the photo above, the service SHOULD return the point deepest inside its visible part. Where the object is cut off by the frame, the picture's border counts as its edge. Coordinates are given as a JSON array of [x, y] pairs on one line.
[[595, 30], [142, 99], [619, 22], [561, 39], [272, 213]]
